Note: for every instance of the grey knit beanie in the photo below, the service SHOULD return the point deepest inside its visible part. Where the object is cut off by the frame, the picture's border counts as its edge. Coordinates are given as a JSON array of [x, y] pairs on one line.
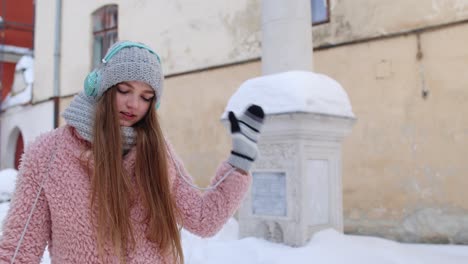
[[124, 61], [130, 63]]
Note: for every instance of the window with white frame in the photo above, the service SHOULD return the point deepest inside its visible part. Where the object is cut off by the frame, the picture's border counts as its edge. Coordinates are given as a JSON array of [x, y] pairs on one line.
[[104, 31], [320, 11]]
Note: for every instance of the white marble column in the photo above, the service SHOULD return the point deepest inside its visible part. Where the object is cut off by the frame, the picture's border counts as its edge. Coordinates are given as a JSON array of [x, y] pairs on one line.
[[286, 36]]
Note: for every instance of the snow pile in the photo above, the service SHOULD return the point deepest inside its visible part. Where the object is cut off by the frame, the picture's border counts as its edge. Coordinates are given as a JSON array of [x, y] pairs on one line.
[[327, 246], [7, 184], [290, 92], [21, 92], [26, 65], [15, 50]]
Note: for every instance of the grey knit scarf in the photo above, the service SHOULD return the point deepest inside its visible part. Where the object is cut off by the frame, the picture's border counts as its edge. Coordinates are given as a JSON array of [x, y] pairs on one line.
[[80, 115]]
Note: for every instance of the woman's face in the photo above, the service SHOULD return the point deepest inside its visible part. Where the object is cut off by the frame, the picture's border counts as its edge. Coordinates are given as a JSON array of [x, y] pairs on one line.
[[133, 99]]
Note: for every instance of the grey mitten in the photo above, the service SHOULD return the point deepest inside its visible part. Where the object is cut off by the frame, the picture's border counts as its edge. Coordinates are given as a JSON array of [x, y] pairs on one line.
[[245, 131]]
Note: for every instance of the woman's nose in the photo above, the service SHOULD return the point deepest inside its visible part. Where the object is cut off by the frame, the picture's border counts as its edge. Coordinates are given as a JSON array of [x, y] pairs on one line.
[[132, 101]]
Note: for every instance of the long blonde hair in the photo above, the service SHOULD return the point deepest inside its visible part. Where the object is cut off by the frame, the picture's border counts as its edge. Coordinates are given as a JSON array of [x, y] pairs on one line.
[[112, 189]]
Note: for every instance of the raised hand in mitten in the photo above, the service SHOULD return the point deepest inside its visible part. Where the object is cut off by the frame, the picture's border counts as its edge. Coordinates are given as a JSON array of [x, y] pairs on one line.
[[245, 131]]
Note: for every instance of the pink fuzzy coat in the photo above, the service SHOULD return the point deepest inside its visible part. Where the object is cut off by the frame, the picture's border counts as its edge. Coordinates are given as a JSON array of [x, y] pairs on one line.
[[62, 219]]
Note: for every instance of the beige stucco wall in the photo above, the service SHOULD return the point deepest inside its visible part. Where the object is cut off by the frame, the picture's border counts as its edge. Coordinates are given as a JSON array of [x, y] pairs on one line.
[[361, 19], [43, 50], [185, 39], [405, 161], [226, 32], [190, 35]]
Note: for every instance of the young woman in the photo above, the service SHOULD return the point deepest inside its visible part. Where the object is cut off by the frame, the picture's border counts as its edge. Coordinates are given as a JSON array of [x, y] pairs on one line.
[[108, 187]]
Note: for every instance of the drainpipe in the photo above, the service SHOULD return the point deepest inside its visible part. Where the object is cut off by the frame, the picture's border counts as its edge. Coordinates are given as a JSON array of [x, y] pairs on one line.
[[2, 34], [57, 48]]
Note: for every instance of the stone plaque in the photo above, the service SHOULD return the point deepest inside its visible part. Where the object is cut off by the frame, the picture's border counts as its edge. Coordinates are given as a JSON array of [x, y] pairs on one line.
[[318, 187], [269, 193]]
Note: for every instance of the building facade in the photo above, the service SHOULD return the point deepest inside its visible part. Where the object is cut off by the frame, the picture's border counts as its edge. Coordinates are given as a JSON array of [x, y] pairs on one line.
[[18, 121], [402, 64]]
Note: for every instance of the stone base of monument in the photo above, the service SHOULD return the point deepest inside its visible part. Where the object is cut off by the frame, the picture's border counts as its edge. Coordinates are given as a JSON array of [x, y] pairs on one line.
[[296, 188]]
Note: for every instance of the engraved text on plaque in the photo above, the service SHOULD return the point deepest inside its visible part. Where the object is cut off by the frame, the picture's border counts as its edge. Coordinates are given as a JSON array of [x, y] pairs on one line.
[[269, 193]]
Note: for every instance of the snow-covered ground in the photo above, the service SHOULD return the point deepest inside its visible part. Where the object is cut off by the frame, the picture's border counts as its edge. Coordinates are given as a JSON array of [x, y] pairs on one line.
[[7, 184], [327, 247]]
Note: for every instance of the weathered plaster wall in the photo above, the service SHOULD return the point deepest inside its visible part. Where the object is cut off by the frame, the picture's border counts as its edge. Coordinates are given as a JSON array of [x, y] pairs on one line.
[[361, 19], [405, 161]]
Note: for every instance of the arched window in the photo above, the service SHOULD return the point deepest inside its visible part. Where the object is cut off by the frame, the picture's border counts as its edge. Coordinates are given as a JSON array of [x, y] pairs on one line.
[[105, 21], [19, 150]]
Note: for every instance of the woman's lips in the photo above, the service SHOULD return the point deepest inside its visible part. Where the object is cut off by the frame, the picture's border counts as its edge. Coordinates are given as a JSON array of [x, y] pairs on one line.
[[127, 116]]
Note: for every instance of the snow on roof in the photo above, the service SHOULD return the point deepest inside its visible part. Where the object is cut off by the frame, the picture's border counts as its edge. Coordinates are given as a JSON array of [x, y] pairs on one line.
[[291, 92], [26, 64], [15, 50]]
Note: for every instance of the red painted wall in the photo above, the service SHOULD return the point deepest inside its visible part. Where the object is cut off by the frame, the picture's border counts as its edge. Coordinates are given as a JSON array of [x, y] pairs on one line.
[[7, 75], [17, 30], [18, 18]]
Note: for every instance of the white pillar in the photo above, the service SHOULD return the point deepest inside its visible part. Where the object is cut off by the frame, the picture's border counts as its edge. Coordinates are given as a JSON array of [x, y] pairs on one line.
[[286, 36]]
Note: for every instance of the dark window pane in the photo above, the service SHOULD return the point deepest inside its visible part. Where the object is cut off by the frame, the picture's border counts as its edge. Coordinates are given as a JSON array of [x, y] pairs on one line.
[[319, 11], [113, 22], [98, 24], [97, 50], [105, 23], [112, 37], [111, 16]]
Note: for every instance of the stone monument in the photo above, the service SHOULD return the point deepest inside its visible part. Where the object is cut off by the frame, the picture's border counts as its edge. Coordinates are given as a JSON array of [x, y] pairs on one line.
[[296, 188]]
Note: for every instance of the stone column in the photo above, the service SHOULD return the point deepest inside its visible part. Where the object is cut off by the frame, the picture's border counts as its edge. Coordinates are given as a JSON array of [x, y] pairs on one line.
[[286, 36]]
